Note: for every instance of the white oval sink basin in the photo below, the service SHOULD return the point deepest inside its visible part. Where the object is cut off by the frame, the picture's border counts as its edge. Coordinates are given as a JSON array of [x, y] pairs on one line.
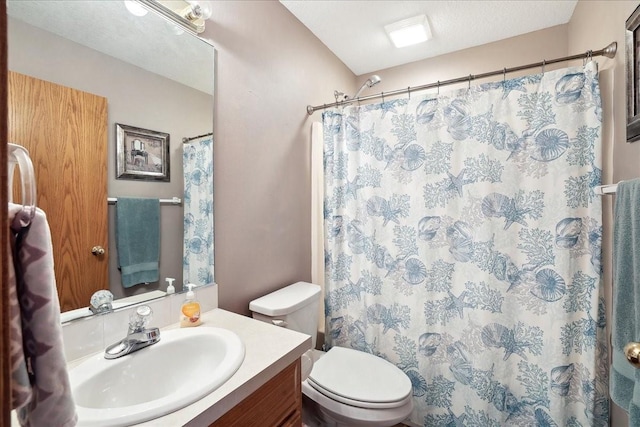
[[186, 365]]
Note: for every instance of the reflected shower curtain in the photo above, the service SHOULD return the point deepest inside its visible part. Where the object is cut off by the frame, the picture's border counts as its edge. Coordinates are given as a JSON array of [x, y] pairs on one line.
[[462, 244], [198, 212]]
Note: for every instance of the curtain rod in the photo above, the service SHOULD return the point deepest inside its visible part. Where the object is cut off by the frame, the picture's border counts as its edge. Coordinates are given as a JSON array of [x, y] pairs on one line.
[[185, 140], [609, 52]]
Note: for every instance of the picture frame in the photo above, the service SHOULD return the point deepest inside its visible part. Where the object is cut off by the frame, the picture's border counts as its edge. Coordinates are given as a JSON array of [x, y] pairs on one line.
[[632, 42], [141, 154]]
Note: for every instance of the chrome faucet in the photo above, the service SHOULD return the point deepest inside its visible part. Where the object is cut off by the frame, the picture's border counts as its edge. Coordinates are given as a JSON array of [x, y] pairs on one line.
[[138, 336]]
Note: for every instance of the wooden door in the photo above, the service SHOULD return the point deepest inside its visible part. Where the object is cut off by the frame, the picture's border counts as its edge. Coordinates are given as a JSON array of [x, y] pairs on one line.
[[65, 131]]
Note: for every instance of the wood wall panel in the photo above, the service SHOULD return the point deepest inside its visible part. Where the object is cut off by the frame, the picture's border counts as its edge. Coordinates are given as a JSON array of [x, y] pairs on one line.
[[65, 131]]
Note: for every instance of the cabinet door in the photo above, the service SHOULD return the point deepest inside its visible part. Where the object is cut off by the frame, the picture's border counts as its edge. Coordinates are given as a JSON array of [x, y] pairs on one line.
[[65, 131], [278, 403]]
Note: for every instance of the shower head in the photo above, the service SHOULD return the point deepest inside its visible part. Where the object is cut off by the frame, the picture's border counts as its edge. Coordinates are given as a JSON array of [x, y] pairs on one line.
[[371, 81]]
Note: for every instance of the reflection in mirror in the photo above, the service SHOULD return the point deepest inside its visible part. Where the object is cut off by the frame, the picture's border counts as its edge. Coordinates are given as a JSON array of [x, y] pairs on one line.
[[76, 69]]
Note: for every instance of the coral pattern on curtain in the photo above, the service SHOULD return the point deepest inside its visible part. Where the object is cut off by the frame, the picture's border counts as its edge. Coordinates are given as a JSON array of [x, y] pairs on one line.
[[463, 244], [197, 262]]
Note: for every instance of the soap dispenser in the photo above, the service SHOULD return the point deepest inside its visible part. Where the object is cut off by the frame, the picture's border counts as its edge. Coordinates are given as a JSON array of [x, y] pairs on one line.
[[190, 311], [170, 288]]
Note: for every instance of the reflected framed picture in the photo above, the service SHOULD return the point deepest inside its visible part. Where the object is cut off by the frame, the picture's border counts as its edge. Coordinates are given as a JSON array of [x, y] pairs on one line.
[[141, 154], [632, 42]]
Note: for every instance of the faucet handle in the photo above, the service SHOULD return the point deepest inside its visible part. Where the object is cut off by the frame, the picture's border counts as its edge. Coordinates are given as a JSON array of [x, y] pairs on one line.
[[139, 319], [101, 301]]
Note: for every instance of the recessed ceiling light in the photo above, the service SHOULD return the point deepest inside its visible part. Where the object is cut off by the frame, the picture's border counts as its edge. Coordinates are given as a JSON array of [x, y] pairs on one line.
[[409, 31]]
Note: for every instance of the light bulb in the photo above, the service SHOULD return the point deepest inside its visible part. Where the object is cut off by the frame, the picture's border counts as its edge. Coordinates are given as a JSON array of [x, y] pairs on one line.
[[135, 8], [201, 9]]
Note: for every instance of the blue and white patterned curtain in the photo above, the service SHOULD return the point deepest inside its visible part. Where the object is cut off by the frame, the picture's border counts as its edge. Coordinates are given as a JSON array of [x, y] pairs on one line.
[[198, 212], [463, 245]]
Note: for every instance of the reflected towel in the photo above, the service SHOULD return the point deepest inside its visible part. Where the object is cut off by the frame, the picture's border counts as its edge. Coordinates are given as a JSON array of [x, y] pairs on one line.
[[138, 240], [625, 379], [46, 398]]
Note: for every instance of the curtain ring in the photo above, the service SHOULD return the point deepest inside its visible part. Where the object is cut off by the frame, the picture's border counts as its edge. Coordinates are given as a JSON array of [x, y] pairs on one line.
[[469, 88], [382, 93], [504, 74], [409, 91], [438, 87], [590, 55], [544, 63]]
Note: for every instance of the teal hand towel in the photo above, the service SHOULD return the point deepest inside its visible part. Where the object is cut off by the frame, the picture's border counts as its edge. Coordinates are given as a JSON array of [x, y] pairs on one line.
[[625, 379], [138, 240]]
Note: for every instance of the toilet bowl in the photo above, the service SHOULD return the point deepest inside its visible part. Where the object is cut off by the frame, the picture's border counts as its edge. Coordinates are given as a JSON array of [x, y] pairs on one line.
[[345, 387]]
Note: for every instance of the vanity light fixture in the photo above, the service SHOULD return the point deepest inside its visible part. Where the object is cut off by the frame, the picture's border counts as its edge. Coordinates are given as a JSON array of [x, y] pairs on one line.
[[197, 10], [190, 15], [409, 31]]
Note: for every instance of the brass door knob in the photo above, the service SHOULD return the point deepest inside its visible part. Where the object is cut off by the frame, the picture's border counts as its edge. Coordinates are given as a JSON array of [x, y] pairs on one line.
[[97, 250], [632, 352]]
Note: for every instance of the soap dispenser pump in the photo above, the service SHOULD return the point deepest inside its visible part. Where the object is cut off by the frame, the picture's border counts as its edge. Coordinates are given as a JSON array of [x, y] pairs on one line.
[[190, 311]]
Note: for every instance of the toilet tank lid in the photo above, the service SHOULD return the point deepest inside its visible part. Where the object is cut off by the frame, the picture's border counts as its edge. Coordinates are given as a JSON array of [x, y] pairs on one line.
[[286, 300]]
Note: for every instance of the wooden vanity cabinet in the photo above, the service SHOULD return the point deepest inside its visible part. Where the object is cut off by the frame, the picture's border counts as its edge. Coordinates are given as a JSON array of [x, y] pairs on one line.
[[278, 403]]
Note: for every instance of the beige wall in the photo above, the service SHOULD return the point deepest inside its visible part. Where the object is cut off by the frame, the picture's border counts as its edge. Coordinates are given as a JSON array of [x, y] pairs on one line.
[[269, 67], [595, 24]]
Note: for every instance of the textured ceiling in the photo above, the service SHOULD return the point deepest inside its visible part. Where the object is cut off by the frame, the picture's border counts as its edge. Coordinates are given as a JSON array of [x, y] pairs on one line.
[[148, 42], [354, 30]]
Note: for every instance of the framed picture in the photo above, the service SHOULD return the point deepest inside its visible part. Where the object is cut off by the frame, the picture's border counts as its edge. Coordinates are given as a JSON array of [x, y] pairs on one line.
[[633, 76], [141, 154]]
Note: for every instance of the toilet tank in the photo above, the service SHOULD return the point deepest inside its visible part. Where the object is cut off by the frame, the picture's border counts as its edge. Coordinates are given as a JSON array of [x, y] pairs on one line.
[[294, 307]]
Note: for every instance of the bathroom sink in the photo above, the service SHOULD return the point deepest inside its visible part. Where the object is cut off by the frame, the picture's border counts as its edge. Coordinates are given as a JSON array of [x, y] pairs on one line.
[[186, 365]]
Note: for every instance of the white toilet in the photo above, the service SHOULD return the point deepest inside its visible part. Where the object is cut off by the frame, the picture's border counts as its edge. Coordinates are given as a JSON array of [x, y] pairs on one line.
[[345, 387]]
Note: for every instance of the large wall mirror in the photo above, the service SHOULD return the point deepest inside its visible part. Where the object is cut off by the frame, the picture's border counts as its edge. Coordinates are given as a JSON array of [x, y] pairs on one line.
[[77, 69]]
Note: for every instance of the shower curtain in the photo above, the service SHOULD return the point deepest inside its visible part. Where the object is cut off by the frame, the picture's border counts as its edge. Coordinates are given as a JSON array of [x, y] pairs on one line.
[[462, 244], [197, 262]]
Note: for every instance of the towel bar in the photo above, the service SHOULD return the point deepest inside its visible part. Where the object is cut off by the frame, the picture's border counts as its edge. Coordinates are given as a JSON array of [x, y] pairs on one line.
[[632, 353], [601, 190], [172, 201]]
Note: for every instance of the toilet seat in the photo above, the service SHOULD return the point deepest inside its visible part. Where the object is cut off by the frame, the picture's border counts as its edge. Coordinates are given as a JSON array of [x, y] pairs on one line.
[[360, 379]]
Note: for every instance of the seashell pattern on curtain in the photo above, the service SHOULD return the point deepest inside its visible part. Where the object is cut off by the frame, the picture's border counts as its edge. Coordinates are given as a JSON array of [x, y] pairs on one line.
[[463, 244], [198, 261]]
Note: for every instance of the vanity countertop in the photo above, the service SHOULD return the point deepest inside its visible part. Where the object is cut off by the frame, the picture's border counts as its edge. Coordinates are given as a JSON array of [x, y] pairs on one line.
[[268, 350]]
